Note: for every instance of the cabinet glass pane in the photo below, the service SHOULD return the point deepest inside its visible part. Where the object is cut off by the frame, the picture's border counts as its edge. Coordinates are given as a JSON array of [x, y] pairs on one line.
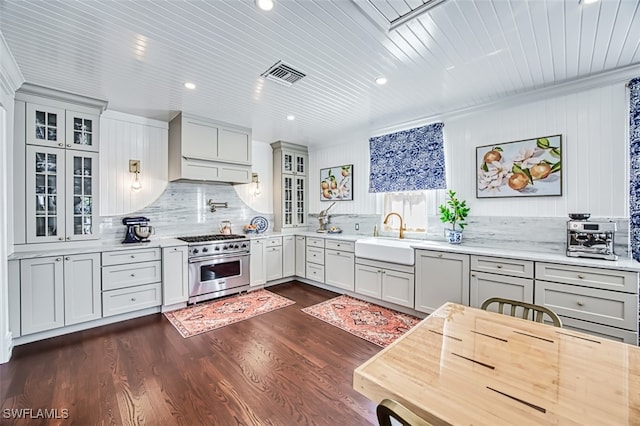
[[82, 195], [87, 166], [300, 165], [301, 201], [287, 163], [45, 193], [52, 119], [82, 131], [46, 127], [288, 201]]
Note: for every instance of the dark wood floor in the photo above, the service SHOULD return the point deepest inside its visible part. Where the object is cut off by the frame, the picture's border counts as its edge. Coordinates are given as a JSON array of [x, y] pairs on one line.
[[280, 368]]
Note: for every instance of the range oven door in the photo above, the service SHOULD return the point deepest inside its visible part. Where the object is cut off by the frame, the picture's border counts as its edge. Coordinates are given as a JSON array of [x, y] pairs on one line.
[[216, 276]]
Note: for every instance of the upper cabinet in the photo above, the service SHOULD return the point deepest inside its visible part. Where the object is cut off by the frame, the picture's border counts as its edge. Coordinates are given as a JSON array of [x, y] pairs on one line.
[[57, 138], [289, 185], [203, 149]]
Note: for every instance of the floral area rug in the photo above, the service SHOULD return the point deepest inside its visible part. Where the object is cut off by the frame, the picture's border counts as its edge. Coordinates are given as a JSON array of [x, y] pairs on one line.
[[370, 322], [208, 316]]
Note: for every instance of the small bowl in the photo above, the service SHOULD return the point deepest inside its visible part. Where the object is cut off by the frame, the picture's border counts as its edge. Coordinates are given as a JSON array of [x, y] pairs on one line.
[[579, 216], [250, 231]]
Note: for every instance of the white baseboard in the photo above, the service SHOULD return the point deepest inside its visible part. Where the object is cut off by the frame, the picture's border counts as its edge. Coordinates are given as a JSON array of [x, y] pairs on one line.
[[7, 348]]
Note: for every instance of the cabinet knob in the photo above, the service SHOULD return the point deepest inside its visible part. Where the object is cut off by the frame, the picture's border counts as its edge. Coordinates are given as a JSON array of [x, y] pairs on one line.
[[67, 258], [68, 238], [499, 266], [69, 145], [60, 238], [440, 255], [580, 303], [60, 144], [175, 249], [580, 276], [133, 299], [133, 275], [473, 275], [58, 259], [133, 256]]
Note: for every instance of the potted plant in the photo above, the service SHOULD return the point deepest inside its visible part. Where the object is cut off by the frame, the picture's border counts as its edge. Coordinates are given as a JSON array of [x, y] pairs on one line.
[[454, 212]]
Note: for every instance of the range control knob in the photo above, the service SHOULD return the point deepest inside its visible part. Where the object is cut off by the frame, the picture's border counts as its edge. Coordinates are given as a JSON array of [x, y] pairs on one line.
[[196, 251], [244, 245], [204, 249], [217, 248], [225, 247], [236, 246]]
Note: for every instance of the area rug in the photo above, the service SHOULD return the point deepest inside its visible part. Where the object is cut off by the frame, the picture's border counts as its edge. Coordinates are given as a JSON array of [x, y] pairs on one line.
[[208, 316], [368, 321]]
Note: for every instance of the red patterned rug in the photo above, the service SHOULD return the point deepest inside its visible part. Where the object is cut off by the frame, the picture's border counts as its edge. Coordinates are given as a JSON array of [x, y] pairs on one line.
[[370, 322], [208, 316]]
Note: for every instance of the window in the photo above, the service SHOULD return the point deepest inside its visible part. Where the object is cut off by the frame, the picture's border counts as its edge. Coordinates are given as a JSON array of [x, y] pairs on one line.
[[415, 207]]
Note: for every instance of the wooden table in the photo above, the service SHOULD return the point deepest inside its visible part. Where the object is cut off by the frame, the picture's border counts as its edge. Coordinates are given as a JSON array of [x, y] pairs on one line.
[[466, 366]]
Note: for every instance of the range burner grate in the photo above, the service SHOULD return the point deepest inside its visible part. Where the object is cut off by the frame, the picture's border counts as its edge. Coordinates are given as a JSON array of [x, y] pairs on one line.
[[212, 237]]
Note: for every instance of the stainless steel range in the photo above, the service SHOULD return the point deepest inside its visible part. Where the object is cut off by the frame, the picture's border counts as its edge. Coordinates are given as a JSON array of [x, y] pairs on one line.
[[218, 265]]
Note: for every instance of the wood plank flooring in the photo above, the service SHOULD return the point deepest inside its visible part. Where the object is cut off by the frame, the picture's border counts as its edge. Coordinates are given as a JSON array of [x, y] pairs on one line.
[[280, 368]]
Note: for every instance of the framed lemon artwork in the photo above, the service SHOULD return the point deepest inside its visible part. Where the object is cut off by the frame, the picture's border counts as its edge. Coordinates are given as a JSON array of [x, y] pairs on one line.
[[526, 168], [336, 183]]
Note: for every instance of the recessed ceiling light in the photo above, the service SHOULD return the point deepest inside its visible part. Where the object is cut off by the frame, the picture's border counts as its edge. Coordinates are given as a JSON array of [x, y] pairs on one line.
[[265, 4], [291, 117], [381, 80], [189, 85], [587, 1]]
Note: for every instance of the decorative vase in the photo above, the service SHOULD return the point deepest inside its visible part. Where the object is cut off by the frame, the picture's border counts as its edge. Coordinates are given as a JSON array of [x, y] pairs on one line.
[[453, 236]]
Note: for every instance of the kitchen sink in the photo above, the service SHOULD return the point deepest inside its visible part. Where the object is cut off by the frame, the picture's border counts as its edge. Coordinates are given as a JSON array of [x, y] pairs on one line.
[[386, 249]]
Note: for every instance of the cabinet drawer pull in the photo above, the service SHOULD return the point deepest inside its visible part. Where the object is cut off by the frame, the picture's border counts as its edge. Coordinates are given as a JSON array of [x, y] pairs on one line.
[[580, 303], [499, 266], [133, 299], [440, 255], [580, 276], [133, 275], [133, 256]]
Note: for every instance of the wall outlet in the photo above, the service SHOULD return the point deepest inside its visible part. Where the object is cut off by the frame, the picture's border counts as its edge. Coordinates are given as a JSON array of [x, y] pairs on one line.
[[357, 226]]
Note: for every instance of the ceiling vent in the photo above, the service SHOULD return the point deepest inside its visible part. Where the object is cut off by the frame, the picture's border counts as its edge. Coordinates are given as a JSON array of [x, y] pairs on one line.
[[283, 74]]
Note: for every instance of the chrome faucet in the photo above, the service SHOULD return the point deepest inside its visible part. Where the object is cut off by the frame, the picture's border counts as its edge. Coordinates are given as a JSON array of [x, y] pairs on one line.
[[402, 227]]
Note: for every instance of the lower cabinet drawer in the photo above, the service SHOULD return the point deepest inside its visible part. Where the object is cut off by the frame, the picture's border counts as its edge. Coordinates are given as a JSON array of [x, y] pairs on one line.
[[124, 300], [584, 276], [133, 274], [315, 255], [315, 272], [599, 331], [121, 257], [604, 307]]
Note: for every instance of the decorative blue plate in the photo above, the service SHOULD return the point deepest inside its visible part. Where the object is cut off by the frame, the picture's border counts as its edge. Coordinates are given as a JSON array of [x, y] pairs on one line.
[[261, 224]]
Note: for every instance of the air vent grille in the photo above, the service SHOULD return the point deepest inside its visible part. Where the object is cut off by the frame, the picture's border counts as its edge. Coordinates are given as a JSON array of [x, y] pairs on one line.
[[283, 74]]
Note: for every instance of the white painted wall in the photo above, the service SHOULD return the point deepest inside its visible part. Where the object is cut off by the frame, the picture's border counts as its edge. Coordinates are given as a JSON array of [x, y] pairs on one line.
[[595, 155], [262, 158]]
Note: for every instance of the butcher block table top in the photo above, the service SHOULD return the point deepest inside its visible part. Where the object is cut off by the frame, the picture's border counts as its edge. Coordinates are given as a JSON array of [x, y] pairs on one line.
[[466, 366]]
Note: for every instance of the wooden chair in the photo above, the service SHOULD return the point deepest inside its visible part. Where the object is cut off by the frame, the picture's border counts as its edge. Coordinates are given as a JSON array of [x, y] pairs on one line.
[[389, 409], [537, 311]]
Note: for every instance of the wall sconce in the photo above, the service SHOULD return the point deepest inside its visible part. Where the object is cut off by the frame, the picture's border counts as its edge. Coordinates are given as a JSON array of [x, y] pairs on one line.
[[134, 167], [254, 179]]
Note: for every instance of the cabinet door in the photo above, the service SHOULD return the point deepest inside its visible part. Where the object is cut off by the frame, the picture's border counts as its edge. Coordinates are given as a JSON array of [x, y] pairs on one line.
[[41, 294], [45, 197], [83, 131], [288, 162], [287, 201], [300, 164], [199, 139], [81, 195], [234, 146], [258, 270], [398, 287], [274, 263], [339, 269], [288, 256], [368, 281], [440, 278], [175, 277], [82, 288], [45, 126], [485, 286], [300, 201], [301, 257]]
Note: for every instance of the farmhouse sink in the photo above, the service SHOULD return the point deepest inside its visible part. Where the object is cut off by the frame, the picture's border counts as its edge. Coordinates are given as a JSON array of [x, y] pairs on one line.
[[386, 249]]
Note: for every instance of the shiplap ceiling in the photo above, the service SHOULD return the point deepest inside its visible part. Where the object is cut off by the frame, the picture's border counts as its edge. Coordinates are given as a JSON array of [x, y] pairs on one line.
[[137, 54]]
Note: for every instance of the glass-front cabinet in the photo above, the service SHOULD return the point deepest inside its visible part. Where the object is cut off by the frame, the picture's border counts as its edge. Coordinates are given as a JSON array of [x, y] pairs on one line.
[[290, 185], [294, 163], [60, 187], [56, 127]]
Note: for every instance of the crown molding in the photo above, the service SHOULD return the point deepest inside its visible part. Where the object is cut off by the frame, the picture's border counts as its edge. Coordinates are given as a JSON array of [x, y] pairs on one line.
[[10, 75]]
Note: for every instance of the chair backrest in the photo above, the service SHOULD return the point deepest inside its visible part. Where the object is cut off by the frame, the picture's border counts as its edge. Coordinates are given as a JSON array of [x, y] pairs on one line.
[[389, 409], [528, 311]]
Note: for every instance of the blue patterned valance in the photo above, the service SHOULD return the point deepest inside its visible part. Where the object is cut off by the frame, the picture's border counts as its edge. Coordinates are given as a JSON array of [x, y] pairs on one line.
[[410, 160], [634, 162]]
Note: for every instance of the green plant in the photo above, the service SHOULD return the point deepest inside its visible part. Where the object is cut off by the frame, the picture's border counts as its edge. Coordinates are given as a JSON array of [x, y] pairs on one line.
[[455, 211]]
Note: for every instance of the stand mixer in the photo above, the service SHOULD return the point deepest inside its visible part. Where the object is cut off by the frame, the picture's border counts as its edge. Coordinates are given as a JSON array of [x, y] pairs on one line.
[[138, 229], [323, 218]]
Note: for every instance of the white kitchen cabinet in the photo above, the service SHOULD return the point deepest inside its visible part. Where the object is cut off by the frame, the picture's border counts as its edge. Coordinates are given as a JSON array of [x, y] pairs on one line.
[[58, 291], [204, 149], [386, 281], [175, 275], [57, 139], [314, 255], [131, 280], [500, 277], [61, 128], [440, 277], [601, 302], [339, 264], [273, 259], [288, 256], [301, 256], [290, 185], [258, 267]]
